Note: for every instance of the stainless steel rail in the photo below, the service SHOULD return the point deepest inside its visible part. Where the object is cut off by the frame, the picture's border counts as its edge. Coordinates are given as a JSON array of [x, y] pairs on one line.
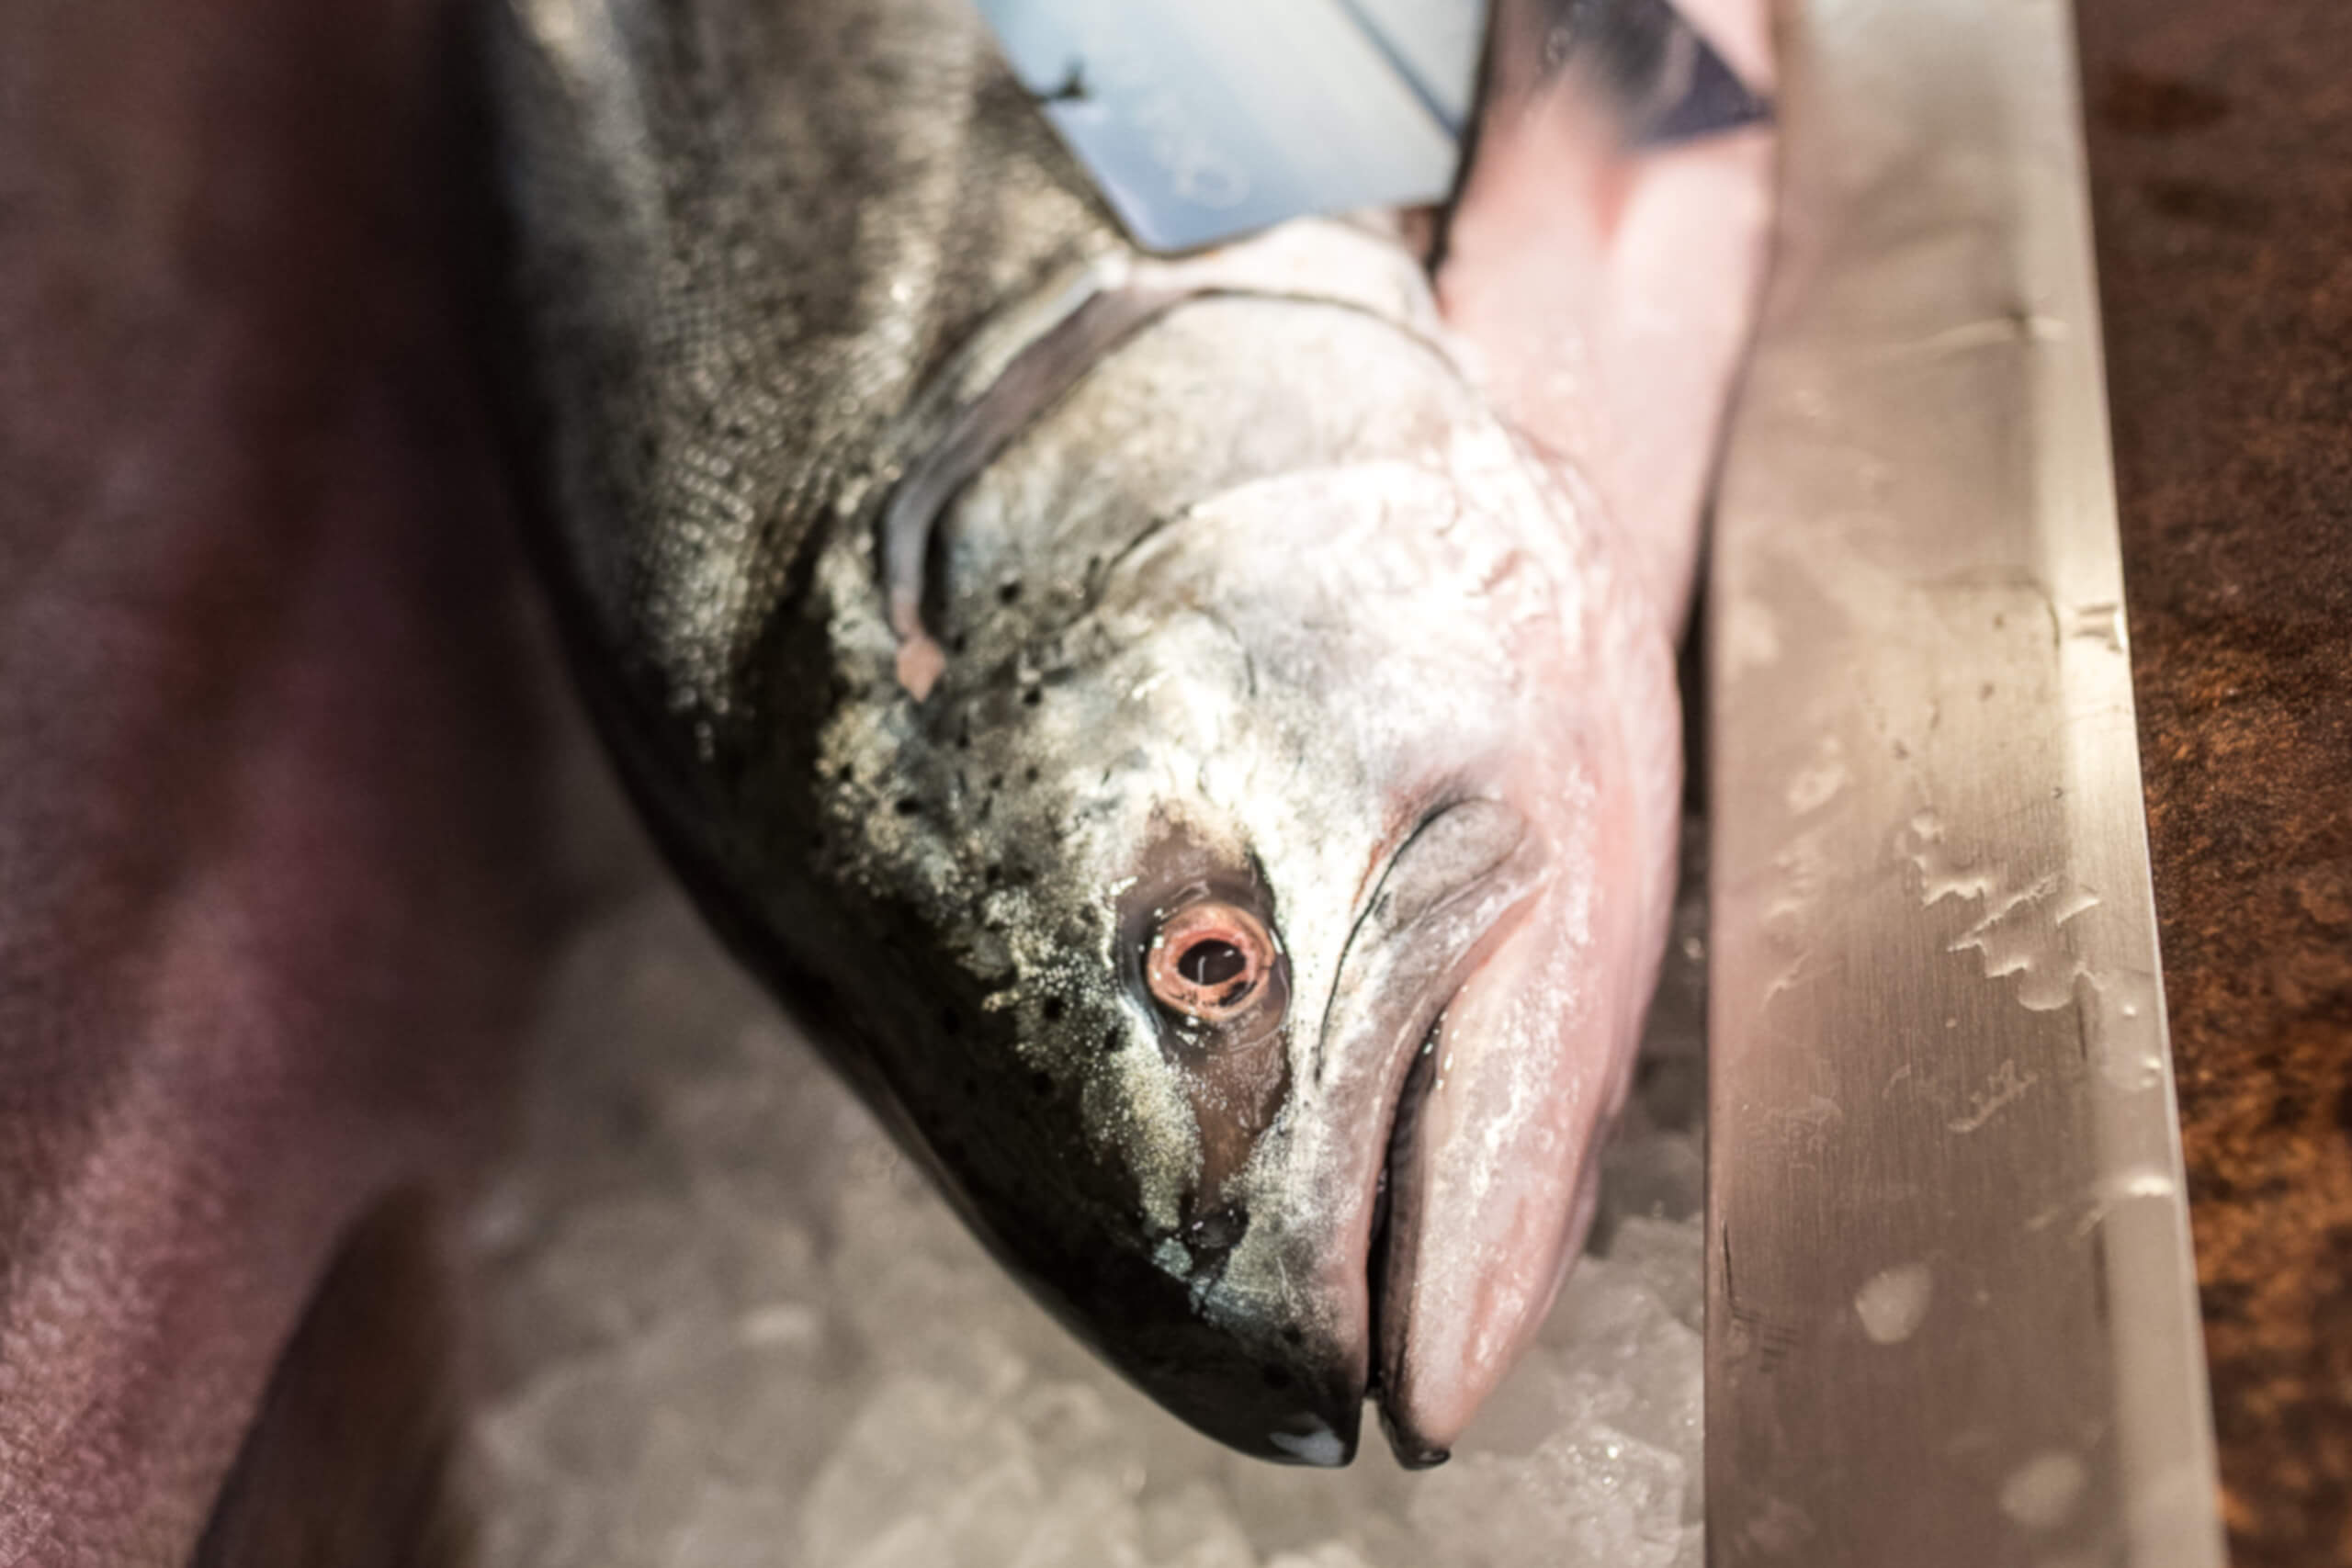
[[1951, 1315]]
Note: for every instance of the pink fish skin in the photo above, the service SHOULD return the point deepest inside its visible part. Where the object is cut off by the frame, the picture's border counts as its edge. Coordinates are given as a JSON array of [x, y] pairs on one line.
[[1606, 293], [1610, 290], [266, 892]]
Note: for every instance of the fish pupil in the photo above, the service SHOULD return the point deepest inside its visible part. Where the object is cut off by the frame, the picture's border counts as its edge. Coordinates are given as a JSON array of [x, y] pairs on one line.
[[1209, 962], [1212, 962]]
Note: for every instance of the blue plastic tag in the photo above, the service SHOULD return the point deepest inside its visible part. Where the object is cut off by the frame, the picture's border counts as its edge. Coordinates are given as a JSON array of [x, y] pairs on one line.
[[1204, 119]]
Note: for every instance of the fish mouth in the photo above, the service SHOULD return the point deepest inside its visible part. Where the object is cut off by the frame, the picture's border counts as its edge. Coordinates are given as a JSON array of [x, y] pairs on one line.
[[1495, 1112], [1404, 1233], [1384, 1305], [1455, 893]]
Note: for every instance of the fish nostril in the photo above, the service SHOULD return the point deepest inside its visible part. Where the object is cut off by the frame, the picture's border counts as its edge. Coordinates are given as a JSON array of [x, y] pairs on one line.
[[1218, 1229]]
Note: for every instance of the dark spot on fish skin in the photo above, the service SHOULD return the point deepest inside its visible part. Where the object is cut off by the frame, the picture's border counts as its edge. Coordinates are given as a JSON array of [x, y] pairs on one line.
[[1217, 1230], [1029, 774], [909, 806], [964, 736], [996, 781], [1009, 592], [1041, 1084], [1291, 1334], [960, 643], [1053, 1009], [1112, 1040], [1032, 696], [991, 876]]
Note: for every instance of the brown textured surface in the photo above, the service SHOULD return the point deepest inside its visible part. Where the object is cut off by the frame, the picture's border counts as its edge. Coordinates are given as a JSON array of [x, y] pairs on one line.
[[2221, 155]]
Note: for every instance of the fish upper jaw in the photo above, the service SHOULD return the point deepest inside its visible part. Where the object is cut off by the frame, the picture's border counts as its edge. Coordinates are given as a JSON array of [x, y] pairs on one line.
[[1299, 1274]]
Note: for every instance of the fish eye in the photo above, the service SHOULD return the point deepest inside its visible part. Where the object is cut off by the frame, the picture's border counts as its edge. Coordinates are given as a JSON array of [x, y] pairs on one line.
[[1209, 960]]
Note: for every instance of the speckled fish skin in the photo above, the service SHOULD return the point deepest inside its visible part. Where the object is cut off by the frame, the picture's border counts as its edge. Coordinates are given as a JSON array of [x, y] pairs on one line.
[[1270, 605]]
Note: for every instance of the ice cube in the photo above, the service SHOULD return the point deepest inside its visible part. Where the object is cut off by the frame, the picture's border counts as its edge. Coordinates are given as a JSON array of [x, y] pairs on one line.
[[1590, 1496], [1090, 1521], [1664, 1256], [1290, 1509], [1323, 1554], [1194, 1527], [915, 1443], [915, 1542], [731, 1526], [990, 1515]]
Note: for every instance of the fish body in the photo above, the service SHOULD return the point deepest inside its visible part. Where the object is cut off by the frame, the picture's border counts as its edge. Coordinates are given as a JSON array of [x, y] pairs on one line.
[[1201, 760]]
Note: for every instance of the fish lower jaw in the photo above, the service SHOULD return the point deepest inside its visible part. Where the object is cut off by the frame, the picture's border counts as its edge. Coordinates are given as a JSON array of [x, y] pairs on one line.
[[1488, 1169]]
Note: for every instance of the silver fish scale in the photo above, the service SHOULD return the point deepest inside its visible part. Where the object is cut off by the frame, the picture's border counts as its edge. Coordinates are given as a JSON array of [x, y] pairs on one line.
[[748, 232]]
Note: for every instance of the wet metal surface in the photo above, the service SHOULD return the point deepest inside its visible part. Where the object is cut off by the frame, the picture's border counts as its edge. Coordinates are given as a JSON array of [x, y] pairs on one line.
[[1952, 1318]]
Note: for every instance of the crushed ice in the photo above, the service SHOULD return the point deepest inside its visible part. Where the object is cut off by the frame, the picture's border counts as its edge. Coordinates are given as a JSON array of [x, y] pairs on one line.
[[726, 1325]]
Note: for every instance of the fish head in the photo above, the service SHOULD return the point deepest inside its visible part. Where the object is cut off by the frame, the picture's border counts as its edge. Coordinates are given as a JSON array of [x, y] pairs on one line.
[[1279, 830]]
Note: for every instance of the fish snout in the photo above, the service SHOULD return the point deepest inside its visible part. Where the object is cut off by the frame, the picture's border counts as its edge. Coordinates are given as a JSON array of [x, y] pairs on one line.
[[1492, 1173], [1275, 1391]]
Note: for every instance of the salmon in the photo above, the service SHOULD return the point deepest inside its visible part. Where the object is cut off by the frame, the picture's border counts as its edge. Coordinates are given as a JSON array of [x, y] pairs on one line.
[[1195, 738]]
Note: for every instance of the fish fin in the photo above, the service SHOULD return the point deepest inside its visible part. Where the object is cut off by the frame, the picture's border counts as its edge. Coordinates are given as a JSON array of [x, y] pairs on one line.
[[1666, 81], [1605, 251], [347, 1462], [1708, 97]]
